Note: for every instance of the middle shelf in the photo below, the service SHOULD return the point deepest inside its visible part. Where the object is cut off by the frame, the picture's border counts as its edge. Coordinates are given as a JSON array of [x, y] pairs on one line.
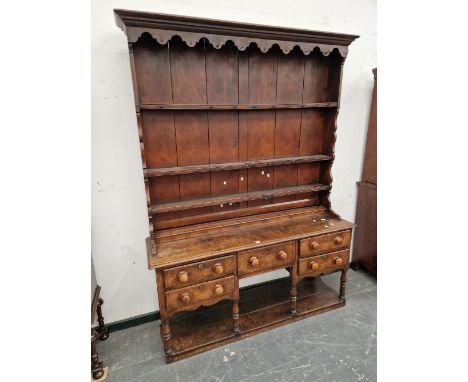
[[154, 172], [235, 198]]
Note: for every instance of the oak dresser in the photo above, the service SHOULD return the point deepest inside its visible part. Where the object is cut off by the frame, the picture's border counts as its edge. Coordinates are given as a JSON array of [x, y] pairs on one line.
[[237, 131]]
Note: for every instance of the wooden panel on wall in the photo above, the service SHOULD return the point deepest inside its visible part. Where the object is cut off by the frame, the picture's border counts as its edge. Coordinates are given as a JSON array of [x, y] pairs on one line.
[[315, 90], [288, 122], [263, 68], [243, 120], [222, 75], [161, 151], [177, 74], [152, 68], [189, 86]]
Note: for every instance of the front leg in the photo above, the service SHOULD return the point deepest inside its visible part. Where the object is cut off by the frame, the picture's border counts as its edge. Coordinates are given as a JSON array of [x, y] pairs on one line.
[[343, 284], [235, 316], [293, 296], [166, 335]]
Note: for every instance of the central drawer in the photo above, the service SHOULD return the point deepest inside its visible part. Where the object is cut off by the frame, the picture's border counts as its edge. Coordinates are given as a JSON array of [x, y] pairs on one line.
[[206, 293], [267, 258]]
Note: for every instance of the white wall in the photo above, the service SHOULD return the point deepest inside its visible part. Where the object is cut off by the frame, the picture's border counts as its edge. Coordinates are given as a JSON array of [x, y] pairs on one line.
[[119, 221]]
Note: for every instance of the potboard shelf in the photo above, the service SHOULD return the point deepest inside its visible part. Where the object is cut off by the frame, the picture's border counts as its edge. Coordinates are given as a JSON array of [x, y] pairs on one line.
[[155, 172], [235, 198]]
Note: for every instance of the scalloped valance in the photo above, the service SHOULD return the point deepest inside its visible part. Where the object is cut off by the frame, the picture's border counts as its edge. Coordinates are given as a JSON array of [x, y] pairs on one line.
[[191, 30]]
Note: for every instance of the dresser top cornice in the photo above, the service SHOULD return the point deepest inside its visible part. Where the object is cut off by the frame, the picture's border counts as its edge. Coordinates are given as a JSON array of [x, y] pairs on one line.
[[164, 26]]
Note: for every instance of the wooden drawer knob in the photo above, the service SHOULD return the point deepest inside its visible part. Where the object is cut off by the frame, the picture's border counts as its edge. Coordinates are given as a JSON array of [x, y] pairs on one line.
[[254, 261], [282, 255], [338, 240], [338, 260], [219, 290], [314, 245], [218, 268], [183, 277], [185, 297], [313, 265]]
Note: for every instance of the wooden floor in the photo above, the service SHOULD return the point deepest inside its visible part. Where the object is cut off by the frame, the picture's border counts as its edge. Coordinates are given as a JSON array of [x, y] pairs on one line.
[[339, 345]]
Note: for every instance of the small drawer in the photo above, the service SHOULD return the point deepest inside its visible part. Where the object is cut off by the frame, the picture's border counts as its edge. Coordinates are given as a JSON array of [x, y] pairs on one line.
[[207, 293], [324, 263], [267, 258], [324, 243], [198, 272]]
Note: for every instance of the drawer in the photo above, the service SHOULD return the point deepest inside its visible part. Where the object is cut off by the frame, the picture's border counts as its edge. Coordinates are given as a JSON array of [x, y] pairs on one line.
[[324, 263], [206, 293], [198, 272], [272, 257], [324, 243]]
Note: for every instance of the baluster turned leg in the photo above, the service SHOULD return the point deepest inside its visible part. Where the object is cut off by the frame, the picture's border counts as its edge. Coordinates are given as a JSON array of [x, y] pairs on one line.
[[96, 366], [103, 330], [235, 316], [343, 284], [293, 294], [166, 334]]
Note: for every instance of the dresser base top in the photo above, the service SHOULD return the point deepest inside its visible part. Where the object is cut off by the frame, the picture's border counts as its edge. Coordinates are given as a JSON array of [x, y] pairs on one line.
[[198, 242]]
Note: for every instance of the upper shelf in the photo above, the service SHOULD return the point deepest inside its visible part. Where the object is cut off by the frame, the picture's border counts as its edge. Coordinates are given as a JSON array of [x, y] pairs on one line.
[[235, 198], [237, 107], [154, 172]]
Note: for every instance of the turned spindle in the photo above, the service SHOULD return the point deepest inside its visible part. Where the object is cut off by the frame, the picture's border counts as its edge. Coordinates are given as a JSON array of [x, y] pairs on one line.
[[343, 284]]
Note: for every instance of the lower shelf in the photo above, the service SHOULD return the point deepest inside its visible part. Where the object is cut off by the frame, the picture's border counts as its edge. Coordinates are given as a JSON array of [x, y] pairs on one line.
[[262, 308]]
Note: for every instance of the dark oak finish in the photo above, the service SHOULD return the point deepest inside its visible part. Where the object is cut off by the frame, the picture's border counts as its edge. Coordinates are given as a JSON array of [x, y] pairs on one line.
[[237, 131], [365, 241]]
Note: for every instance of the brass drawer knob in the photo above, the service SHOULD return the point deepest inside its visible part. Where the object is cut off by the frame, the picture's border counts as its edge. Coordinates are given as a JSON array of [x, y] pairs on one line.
[[219, 290], [282, 255], [338, 260], [254, 261], [314, 265], [185, 297], [338, 240], [218, 268], [183, 277], [314, 245]]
